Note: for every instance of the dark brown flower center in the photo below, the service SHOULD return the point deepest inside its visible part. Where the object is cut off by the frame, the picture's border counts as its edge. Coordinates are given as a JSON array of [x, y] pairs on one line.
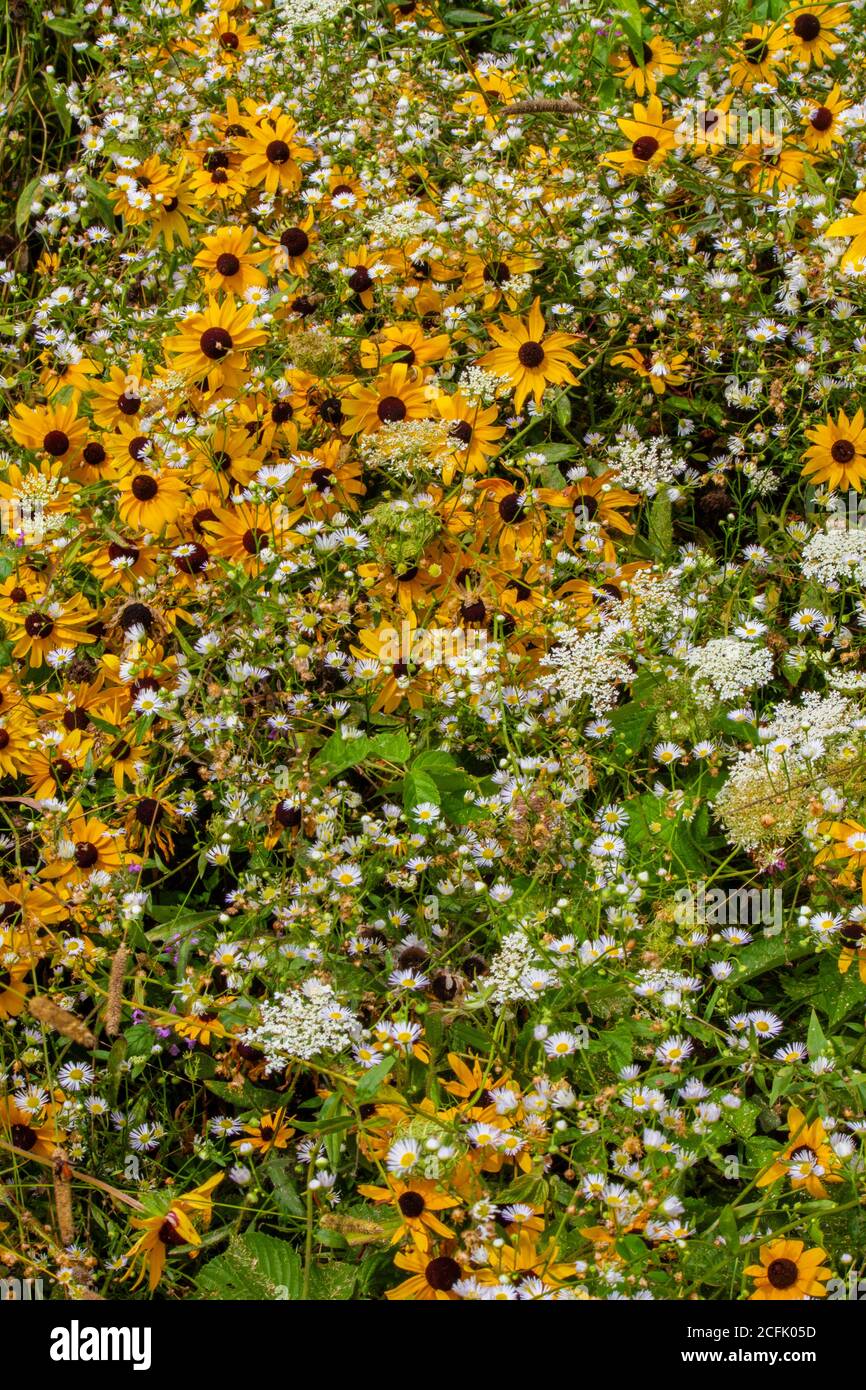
[[75, 719], [782, 1274], [390, 409], [509, 507], [842, 451], [288, 816], [168, 1232], [807, 27], [228, 264], [822, 119], [94, 454], [86, 854], [530, 354], [277, 152], [55, 443], [755, 51], [24, 1137], [322, 478], [38, 624], [230, 41], [642, 62], [128, 404], [255, 540], [194, 561], [411, 1204], [497, 273], [645, 147], [122, 552], [216, 343], [148, 812], [295, 241], [144, 487], [136, 615], [360, 279], [442, 1273], [462, 431]]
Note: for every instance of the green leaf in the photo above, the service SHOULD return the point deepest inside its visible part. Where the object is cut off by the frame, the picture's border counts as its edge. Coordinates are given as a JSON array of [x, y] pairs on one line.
[[419, 786], [466, 17], [815, 1040], [254, 1267], [26, 199], [372, 1080], [338, 753], [393, 747], [285, 1190]]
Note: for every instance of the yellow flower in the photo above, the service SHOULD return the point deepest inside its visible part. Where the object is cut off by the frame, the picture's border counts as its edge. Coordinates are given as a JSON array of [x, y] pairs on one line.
[[809, 32], [658, 59], [854, 227], [661, 370], [650, 138], [531, 358], [273, 157], [838, 453], [759, 53], [807, 1158], [170, 1227], [789, 1271], [822, 123], [214, 343]]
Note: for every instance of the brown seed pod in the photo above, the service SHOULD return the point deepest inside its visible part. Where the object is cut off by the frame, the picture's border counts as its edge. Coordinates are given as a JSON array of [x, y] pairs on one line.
[[46, 1012]]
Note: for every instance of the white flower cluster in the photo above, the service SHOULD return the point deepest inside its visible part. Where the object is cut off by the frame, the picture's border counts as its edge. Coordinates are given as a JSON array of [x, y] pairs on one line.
[[834, 554], [730, 667], [644, 464], [508, 981], [303, 1024], [588, 665], [306, 14]]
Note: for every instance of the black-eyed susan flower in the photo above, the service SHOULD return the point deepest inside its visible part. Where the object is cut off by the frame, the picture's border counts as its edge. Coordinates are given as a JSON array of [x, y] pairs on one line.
[[431, 1277], [43, 626], [228, 261], [823, 127], [642, 72], [855, 227], [810, 31], [807, 1160], [837, 455], [272, 155], [55, 429], [758, 57], [214, 344], [171, 1225], [415, 1206], [270, 1132], [396, 394], [651, 137], [33, 1132], [789, 1271], [149, 500], [530, 357], [660, 368]]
